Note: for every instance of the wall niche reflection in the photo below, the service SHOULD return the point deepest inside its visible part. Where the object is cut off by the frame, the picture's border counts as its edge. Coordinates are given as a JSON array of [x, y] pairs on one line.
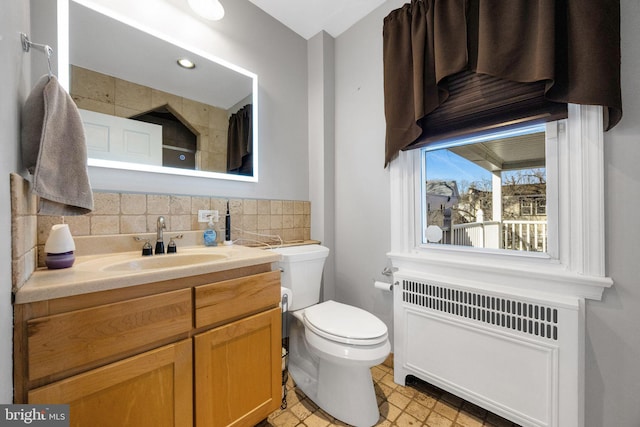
[[194, 134]]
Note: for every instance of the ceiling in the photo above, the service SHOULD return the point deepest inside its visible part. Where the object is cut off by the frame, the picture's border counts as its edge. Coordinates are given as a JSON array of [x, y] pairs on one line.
[[309, 17]]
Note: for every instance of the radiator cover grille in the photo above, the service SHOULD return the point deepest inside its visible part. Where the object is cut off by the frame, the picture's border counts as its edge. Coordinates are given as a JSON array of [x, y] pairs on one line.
[[508, 313]]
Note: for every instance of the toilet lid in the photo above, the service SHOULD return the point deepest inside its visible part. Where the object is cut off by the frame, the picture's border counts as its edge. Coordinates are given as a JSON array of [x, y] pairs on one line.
[[344, 323]]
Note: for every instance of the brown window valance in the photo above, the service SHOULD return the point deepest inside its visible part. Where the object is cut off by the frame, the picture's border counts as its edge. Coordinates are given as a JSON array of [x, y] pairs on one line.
[[566, 50]]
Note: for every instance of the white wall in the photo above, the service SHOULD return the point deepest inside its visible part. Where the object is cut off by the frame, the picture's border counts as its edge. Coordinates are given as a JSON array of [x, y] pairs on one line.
[[362, 213], [14, 73]]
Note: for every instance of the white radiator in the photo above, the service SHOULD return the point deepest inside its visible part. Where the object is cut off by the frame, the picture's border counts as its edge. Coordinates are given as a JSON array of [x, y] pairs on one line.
[[516, 356]]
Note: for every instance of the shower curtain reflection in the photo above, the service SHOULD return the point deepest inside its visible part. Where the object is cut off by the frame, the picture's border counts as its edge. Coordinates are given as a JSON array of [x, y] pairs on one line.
[[239, 141]]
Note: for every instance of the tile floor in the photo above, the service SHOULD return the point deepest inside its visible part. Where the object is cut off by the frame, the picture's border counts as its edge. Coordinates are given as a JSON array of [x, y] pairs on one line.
[[417, 404]]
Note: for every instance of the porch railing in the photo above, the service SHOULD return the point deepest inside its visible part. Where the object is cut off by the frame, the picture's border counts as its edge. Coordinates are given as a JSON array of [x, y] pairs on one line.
[[510, 234]]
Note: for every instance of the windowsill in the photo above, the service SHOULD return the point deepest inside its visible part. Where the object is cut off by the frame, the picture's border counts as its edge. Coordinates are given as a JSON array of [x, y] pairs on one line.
[[535, 276]]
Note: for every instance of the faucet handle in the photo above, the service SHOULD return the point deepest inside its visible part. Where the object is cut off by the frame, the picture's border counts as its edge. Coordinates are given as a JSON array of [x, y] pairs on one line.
[[147, 249], [172, 248]]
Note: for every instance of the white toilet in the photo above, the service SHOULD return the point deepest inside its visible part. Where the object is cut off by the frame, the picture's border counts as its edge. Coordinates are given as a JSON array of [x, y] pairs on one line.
[[332, 346]]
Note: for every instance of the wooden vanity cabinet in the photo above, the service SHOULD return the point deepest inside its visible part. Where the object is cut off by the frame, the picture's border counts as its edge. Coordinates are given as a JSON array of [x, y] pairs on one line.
[[201, 350]]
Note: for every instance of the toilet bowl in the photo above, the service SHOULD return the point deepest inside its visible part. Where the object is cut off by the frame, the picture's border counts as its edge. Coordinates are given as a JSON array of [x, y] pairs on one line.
[[332, 346]]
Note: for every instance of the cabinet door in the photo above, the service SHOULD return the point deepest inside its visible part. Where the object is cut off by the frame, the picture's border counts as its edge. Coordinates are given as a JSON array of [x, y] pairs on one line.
[[238, 371], [151, 389]]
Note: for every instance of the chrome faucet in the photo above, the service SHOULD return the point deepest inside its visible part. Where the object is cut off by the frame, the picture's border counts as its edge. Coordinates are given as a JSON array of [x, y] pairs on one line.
[[161, 226]]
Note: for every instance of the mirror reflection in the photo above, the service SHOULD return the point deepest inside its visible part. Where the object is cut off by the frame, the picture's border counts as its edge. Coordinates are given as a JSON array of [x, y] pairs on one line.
[[488, 194], [144, 111]]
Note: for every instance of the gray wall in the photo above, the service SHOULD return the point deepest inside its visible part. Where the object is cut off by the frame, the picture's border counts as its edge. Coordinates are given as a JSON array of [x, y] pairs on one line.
[[362, 213], [14, 73]]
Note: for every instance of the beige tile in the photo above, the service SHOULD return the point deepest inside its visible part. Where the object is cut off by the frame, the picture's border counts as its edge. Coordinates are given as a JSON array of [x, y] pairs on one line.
[[388, 381], [298, 221], [235, 206], [420, 412], [220, 205], [132, 95], [298, 207], [286, 419], [158, 204], [317, 419], [130, 224], [250, 223], [93, 105], [425, 400], [195, 112], [276, 222], [287, 207], [301, 410], [218, 118], [264, 222], [405, 420], [160, 98], [398, 399], [179, 223], [200, 203], [276, 207], [106, 203], [78, 225], [180, 205], [389, 412], [445, 410], [264, 207], [93, 85], [250, 207], [105, 224], [437, 420], [287, 221], [133, 204]]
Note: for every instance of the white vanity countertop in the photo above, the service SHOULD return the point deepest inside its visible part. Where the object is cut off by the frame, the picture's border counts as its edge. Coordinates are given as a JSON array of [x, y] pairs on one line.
[[92, 273]]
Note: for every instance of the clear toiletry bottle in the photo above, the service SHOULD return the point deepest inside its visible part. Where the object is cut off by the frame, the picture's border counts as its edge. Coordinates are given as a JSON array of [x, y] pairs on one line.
[[210, 234]]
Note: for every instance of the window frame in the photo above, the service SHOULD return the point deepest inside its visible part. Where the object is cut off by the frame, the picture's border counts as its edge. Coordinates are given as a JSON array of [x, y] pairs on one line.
[[574, 262]]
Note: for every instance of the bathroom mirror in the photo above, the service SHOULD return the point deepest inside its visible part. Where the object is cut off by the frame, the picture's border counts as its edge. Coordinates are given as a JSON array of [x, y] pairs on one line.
[[126, 81]]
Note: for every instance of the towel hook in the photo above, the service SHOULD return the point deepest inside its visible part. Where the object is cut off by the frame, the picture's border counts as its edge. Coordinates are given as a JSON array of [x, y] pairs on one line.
[[28, 44]]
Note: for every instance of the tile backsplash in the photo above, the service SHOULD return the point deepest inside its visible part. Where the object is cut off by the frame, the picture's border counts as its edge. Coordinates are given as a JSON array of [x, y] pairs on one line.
[[252, 220]]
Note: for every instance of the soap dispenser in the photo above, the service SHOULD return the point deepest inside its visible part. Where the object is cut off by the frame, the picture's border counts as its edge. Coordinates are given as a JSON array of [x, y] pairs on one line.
[[210, 234]]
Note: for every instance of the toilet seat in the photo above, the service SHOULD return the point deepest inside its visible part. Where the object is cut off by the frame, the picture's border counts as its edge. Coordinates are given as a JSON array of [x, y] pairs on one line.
[[344, 324]]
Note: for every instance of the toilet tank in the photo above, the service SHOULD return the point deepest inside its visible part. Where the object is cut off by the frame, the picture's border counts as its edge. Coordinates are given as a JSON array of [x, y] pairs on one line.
[[302, 273]]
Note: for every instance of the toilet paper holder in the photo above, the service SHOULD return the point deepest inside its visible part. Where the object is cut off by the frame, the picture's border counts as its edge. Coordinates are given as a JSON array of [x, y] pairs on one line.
[[388, 271]]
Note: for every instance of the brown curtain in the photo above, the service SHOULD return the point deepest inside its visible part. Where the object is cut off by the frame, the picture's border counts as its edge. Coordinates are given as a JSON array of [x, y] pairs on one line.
[[572, 46], [240, 141]]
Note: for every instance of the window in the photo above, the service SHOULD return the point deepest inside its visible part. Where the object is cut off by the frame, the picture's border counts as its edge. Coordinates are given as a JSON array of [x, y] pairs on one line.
[[487, 191], [574, 208]]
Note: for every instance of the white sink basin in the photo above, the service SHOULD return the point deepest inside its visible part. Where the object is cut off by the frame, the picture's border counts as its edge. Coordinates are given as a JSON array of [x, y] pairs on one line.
[[132, 262], [162, 261]]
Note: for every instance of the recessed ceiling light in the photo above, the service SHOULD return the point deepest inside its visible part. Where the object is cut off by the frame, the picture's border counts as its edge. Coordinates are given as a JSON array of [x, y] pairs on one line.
[[186, 63], [208, 9]]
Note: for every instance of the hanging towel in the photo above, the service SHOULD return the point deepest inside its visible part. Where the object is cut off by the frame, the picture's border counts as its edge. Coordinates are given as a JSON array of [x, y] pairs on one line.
[[54, 150]]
